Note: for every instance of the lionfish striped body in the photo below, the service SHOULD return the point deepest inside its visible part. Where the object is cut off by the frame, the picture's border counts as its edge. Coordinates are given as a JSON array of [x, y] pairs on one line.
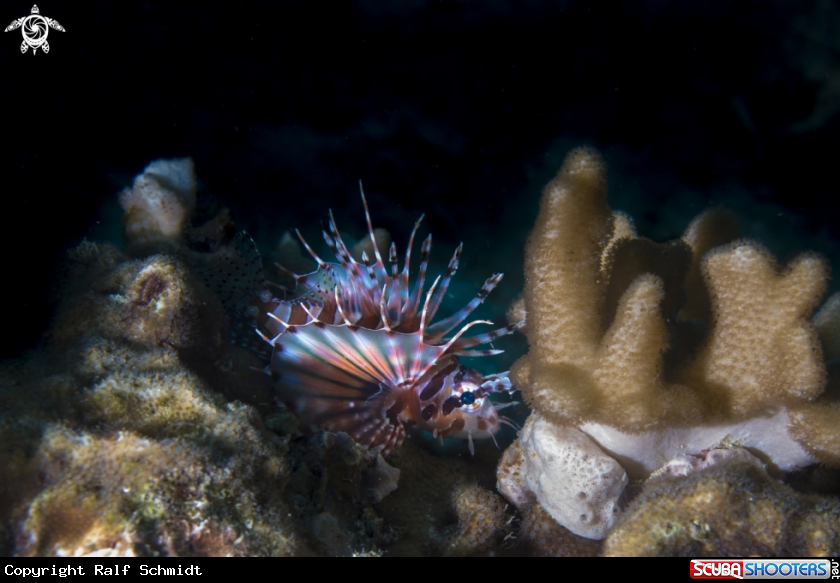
[[354, 350]]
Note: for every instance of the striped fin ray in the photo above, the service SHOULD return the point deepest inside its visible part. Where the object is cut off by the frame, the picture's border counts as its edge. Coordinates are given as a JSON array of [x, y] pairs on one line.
[[345, 378], [309, 249], [411, 306], [395, 295], [361, 282], [447, 277], [404, 276], [460, 344], [348, 356], [356, 271], [378, 266], [339, 403], [439, 329]]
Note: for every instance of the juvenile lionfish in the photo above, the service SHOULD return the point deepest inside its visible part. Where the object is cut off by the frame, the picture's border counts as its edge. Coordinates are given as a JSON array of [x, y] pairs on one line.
[[354, 349]]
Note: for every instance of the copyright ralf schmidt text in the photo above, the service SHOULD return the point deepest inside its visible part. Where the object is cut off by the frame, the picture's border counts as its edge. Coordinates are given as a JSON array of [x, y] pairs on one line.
[[101, 570]]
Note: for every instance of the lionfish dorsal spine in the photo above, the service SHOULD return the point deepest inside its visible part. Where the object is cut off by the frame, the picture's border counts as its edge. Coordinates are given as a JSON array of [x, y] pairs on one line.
[[442, 327], [447, 277], [425, 314], [306, 246]]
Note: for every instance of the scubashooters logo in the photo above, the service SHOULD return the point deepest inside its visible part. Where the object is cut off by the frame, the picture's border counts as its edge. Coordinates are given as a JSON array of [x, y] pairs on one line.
[[765, 569], [35, 29]]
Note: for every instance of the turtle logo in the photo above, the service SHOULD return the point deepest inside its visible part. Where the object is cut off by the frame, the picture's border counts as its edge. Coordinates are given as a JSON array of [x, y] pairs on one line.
[[35, 28]]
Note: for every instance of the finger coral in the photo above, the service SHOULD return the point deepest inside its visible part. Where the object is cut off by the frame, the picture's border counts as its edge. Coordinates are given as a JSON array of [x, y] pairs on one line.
[[660, 350]]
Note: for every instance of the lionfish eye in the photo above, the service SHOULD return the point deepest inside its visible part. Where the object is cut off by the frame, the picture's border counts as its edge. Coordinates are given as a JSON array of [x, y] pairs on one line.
[[467, 398]]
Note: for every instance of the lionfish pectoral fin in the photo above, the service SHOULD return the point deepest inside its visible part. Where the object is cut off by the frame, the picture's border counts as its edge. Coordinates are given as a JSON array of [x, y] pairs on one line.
[[341, 378], [328, 403]]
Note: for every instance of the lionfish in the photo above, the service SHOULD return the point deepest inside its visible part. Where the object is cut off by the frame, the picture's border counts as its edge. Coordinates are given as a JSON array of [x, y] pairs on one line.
[[354, 349]]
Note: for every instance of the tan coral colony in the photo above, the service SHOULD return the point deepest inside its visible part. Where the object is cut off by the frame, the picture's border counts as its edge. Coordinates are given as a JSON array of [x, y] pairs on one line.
[[655, 351]]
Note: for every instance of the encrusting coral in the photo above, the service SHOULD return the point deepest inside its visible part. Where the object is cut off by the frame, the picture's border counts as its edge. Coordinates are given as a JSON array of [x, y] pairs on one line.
[[444, 505], [124, 450], [731, 509], [655, 351], [117, 436], [481, 519], [540, 535]]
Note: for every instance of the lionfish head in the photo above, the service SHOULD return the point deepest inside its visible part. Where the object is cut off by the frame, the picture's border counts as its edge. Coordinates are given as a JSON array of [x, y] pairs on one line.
[[455, 402]]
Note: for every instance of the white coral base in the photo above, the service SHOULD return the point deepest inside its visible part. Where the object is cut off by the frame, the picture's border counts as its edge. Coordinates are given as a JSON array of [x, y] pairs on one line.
[[573, 480], [578, 475], [642, 454]]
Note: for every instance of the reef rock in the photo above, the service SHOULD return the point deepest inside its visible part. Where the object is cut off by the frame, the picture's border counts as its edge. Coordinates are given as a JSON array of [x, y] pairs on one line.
[[731, 509]]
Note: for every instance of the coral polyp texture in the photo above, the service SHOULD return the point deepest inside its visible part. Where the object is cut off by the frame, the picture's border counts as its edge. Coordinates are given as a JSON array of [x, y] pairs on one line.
[[113, 445], [733, 509], [651, 352]]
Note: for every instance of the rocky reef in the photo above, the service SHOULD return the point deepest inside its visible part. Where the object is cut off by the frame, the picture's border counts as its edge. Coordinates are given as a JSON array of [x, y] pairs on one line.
[[144, 424], [683, 403], [645, 357], [112, 445], [733, 508]]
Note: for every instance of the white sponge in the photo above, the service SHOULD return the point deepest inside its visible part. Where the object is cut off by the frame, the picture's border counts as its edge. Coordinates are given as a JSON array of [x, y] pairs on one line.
[[573, 479]]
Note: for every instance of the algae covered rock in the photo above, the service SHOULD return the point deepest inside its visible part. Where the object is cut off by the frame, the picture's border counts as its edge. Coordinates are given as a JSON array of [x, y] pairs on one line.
[[731, 509]]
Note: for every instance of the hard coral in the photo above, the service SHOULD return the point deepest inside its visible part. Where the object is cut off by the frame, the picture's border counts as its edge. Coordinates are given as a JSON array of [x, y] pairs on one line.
[[659, 350], [112, 437], [606, 312], [443, 504], [333, 489], [159, 203], [481, 519], [731, 509], [139, 462], [153, 301], [540, 535]]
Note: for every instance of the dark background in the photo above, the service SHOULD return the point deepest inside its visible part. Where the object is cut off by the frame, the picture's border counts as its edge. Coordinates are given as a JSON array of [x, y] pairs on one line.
[[461, 110]]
